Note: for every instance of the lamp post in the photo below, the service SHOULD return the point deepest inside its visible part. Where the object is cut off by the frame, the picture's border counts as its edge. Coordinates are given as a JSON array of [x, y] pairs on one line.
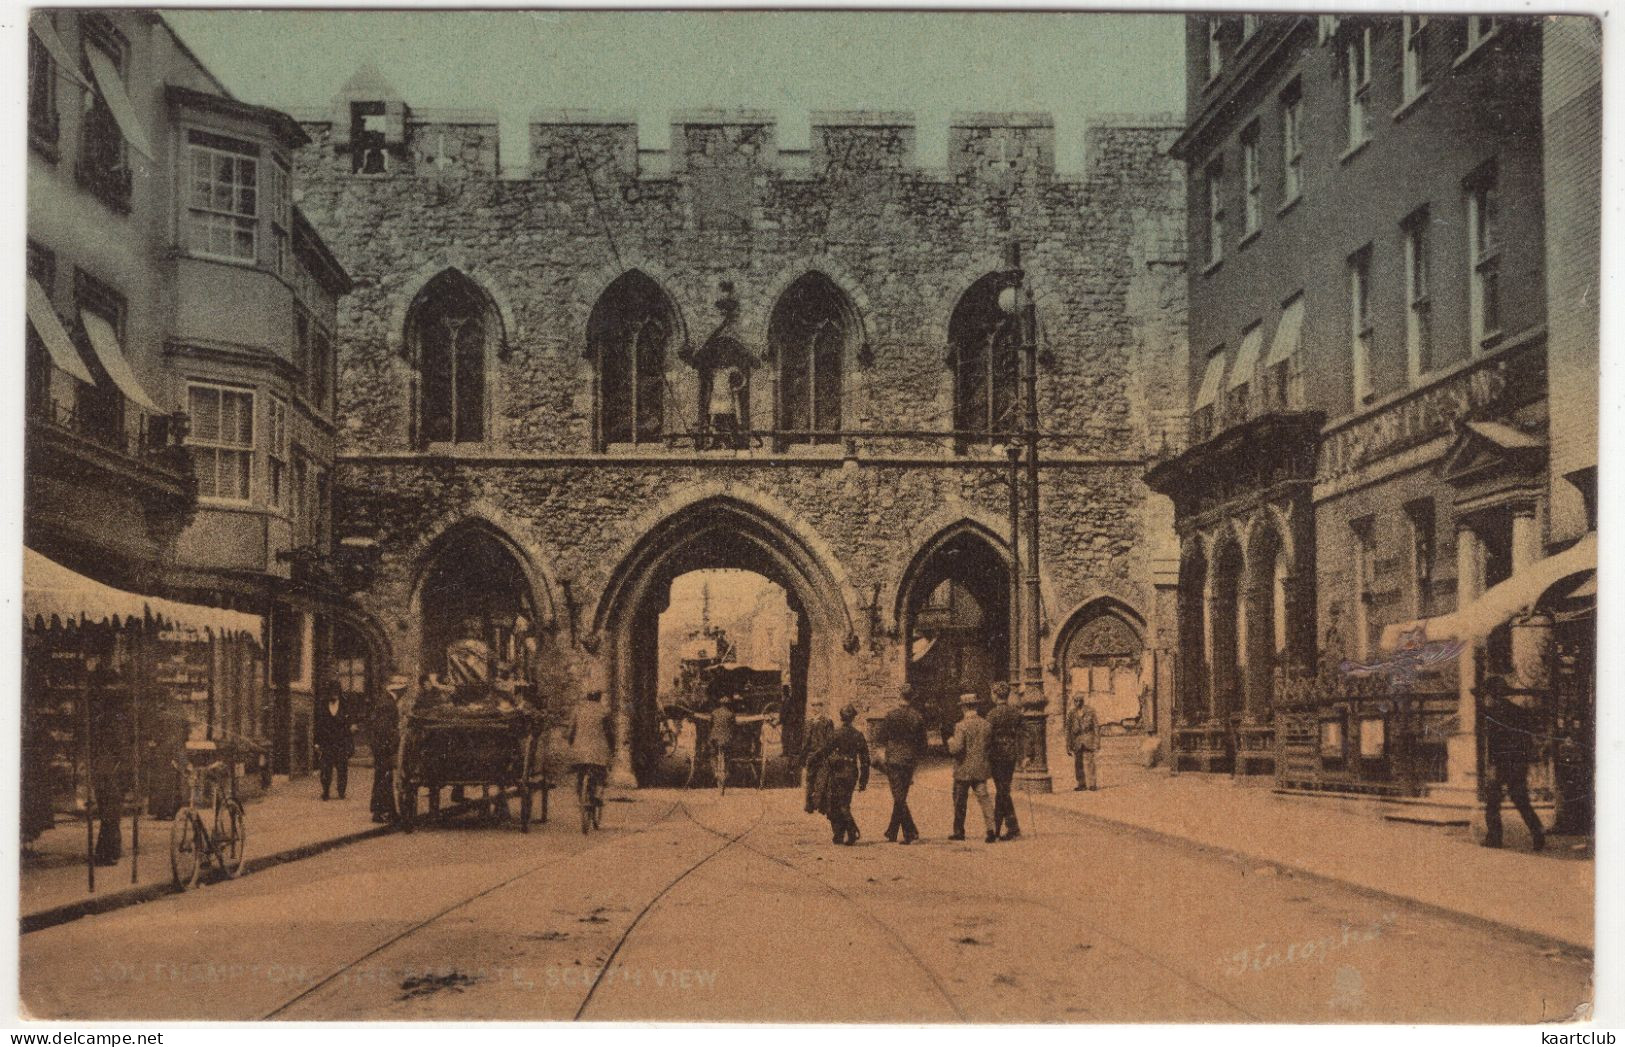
[[1017, 300]]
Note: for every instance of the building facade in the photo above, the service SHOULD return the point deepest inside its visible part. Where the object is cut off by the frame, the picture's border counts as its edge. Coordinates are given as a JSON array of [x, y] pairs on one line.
[[1368, 383], [166, 267], [559, 392]]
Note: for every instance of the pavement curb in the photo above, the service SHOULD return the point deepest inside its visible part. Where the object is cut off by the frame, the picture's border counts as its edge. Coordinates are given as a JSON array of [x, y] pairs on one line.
[[113, 900], [1528, 935], [120, 899]]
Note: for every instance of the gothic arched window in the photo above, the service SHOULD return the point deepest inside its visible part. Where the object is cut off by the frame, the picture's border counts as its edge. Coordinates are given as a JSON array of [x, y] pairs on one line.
[[628, 334], [984, 352], [448, 328], [811, 326]]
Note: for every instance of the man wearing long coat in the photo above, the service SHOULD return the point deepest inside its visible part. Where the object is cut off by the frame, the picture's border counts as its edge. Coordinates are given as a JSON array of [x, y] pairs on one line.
[[820, 729]]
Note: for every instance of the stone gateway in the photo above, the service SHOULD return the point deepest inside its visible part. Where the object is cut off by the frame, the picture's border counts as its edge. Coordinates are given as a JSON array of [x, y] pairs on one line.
[[560, 392]]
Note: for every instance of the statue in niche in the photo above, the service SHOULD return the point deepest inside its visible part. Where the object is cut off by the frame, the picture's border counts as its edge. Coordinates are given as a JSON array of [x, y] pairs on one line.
[[724, 364]]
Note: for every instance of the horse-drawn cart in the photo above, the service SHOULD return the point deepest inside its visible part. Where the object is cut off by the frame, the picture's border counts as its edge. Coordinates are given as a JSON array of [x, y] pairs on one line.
[[498, 747]]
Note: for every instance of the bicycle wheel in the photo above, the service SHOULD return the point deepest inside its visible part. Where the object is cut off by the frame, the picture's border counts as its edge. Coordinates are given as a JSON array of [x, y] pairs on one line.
[[233, 838], [186, 847]]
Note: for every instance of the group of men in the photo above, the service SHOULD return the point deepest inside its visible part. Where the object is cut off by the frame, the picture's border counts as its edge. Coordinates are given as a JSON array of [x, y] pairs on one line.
[[986, 743], [335, 728]]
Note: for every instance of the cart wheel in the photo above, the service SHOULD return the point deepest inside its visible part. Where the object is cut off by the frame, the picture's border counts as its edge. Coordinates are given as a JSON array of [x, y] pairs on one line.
[[234, 847], [185, 848], [408, 806]]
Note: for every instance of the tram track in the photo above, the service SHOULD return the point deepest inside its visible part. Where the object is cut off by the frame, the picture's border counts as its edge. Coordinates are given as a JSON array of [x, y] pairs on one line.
[[625, 936], [1095, 928], [444, 912], [886, 929]]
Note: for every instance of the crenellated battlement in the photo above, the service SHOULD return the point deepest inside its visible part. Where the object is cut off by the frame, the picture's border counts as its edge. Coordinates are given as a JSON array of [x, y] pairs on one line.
[[383, 136]]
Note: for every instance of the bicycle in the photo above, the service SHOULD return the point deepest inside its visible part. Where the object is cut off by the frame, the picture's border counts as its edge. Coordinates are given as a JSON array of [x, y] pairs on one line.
[[222, 842], [590, 795]]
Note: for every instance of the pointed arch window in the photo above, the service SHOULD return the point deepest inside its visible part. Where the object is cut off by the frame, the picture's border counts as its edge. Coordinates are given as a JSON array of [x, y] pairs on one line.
[[984, 351], [448, 330], [812, 324], [629, 335]]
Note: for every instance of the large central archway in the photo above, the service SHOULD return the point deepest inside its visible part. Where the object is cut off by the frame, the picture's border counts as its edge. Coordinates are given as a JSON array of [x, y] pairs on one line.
[[715, 534]]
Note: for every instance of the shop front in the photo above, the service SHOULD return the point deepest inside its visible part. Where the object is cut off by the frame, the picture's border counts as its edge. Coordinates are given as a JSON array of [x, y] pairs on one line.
[[120, 692]]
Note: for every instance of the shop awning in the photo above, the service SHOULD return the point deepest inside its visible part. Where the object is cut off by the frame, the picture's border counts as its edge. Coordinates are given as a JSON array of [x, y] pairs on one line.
[[53, 594], [1241, 372], [1212, 379], [111, 355], [1288, 334], [50, 330], [111, 87], [40, 24], [1500, 602]]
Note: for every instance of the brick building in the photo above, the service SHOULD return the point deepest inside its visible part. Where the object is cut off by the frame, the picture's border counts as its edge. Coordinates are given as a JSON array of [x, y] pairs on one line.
[[561, 391], [1369, 334], [177, 418]]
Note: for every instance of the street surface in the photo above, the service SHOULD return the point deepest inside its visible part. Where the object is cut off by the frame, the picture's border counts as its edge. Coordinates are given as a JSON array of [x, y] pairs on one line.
[[690, 907]]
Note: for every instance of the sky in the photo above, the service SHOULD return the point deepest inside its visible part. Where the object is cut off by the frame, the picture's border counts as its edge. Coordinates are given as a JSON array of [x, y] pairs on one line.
[[654, 62]]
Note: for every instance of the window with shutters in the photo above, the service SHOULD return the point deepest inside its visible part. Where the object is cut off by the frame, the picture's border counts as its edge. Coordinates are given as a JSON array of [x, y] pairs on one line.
[[1357, 85], [1418, 300], [1252, 182], [279, 206], [104, 165], [222, 441], [1292, 142], [222, 215], [1414, 67], [1484, 258], [98, 407], [1215, 213], [276, 452], [1360, 324]]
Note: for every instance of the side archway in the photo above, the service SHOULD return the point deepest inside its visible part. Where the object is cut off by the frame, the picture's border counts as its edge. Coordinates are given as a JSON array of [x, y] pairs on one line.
[[953, 615], [1100, 657], [473, 588]]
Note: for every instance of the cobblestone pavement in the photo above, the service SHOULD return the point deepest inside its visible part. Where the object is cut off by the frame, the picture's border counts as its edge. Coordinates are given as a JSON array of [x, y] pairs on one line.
[[691, 907]]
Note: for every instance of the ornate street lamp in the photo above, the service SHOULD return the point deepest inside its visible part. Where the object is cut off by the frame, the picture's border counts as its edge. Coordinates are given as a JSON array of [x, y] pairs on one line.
[[1016, 299]]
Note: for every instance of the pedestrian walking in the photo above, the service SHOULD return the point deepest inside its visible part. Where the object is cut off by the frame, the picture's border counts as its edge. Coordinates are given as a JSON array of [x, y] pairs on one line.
[[820, 729], [846, 759], [384, 739], [722, 740], [591, 737], [1005, 723], [1082, 741], [1511, 744], [335, 734], [902, 734], [970, 746]]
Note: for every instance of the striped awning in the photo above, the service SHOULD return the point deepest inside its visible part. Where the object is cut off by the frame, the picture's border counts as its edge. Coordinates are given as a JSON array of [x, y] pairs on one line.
[[53, 595], [111, 355], [1500, 602], [42, 316]]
